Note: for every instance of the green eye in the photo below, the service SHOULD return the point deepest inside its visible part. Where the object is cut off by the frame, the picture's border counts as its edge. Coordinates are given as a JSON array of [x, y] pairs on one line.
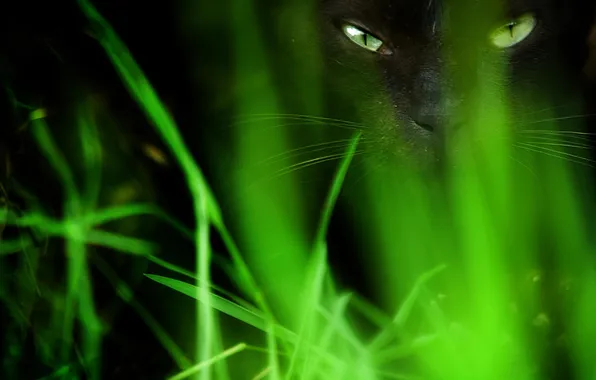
[[514, 32], [362, 38]]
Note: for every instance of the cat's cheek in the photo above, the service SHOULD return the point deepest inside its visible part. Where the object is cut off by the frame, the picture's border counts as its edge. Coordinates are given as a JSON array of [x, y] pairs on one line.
[[364, 90]]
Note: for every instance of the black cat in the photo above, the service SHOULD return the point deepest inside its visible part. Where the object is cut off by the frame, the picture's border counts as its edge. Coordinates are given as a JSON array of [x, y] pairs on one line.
[[420, 65]]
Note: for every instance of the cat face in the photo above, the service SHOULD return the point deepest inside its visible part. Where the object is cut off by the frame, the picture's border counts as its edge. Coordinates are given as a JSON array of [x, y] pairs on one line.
[[415, 69]]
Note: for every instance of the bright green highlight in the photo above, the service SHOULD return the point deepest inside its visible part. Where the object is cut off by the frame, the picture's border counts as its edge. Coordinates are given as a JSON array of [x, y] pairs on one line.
[[513, 32], [362, 38]]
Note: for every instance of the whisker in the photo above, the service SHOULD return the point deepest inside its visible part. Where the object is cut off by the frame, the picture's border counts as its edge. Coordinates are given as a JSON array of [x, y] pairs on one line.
[[561, 144], [569, 117], [551, 108], [556, 154], [301, 123], [538, 131], [569, 136], [307, 123], [558, 151], [586, 141], [311, 162], [352, 184], [306, 149], [523, 165], [550, 155], [350, 67], [265, 117]]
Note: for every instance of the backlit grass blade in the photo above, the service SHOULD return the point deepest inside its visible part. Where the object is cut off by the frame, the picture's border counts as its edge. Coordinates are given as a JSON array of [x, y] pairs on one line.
[[154, 109]]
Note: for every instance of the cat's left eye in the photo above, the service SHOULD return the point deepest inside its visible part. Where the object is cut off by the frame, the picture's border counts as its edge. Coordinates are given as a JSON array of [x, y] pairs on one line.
[[513, 32], [363, 38]]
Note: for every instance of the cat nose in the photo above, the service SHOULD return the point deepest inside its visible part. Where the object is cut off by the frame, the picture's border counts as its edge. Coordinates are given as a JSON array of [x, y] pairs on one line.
[[427, 126], [429, 122]]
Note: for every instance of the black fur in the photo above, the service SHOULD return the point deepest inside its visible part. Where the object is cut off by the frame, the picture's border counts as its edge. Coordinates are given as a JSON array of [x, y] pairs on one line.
[[439, 58]]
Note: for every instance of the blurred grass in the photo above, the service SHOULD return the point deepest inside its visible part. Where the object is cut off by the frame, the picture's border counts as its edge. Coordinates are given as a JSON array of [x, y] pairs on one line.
[[485, 232]]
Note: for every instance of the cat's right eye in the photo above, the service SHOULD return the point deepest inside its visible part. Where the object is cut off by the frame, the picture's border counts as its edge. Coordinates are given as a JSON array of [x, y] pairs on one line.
[[513, 32], [363, 38]]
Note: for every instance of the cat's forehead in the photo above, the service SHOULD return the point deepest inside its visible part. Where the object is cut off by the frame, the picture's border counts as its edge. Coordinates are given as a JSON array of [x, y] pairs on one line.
[[419, 12]]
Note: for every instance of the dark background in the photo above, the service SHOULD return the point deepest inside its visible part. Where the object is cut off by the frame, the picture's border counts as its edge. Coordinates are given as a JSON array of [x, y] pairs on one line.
[[47, 60]]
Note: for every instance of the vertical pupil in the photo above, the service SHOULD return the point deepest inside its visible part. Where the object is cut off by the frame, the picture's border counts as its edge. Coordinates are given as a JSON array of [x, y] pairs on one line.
[[365, 37]]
